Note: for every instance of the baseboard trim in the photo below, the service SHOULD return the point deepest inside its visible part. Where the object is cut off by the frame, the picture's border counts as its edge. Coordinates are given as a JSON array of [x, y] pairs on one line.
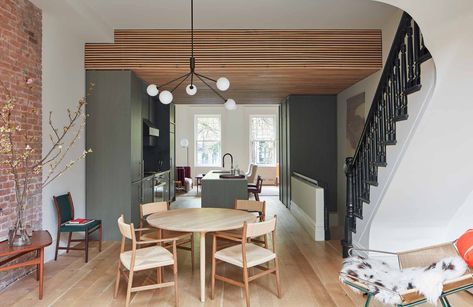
[[317, 233]]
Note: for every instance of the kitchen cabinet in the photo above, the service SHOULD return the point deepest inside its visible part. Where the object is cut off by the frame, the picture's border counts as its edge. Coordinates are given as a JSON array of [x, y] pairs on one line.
[[114, 132], [172, 153]]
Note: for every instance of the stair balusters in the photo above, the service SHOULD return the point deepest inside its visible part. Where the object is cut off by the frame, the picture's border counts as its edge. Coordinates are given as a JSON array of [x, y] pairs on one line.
[[400, 77]]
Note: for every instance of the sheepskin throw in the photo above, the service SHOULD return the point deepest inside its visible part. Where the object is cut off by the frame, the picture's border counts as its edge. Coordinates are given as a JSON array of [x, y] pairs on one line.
[[427, 280]]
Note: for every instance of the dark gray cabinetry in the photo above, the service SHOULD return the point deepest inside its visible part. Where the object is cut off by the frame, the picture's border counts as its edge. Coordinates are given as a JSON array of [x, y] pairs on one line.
[[284, 154], [308, 143], [114, 132], [172, 153]]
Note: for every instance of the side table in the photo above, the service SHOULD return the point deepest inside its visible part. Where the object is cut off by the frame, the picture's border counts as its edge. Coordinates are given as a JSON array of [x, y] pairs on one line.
[[39, 241]]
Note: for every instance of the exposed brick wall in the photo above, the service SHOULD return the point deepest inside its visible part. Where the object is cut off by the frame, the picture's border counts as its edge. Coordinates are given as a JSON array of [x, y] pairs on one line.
[[20, 58]]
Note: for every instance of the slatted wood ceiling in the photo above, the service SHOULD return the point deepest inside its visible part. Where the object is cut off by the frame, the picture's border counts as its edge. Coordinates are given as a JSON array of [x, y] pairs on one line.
[[263, 66]]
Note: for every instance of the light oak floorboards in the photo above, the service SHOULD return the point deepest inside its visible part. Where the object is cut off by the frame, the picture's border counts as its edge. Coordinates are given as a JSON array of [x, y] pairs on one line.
[[309, 276]]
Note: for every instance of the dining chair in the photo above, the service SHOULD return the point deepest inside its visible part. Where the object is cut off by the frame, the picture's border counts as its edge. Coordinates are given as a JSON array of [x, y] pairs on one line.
[[251, 173], [65, 213], [185, 240], [252, 206], [247, 255], [256, 189], [146, 258]]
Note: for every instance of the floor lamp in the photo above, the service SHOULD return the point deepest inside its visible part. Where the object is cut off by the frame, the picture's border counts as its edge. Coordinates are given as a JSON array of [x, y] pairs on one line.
[[185, 144]]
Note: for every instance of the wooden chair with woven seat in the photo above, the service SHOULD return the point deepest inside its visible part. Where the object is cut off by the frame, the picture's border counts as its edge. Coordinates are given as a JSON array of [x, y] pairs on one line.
[[422, 257], [247, 255], [146, 258], [255, 189], [185, 240], [65, 213], [252, 206]]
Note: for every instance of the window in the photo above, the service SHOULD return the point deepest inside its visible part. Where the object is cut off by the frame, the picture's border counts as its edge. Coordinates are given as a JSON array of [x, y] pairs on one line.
[[263, 139], [208, 133]]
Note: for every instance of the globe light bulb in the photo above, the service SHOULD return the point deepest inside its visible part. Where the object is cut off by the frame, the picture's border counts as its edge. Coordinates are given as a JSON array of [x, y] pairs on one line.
[[165, 97], [191, 89], [230, 104], [184, 143], [152, 90], [223, 84]]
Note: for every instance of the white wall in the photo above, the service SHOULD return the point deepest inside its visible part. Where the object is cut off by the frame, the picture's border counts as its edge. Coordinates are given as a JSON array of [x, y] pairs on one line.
[[434, 180], [367, 85], [235, 134], [63, 86]]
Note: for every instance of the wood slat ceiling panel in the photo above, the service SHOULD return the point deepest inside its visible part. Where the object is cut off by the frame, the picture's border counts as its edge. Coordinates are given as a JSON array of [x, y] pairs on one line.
[[262, 65]]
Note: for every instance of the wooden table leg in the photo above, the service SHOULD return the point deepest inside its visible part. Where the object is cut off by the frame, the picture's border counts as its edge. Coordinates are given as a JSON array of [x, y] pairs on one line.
[[37, 266], [202, 266], [41, 272]]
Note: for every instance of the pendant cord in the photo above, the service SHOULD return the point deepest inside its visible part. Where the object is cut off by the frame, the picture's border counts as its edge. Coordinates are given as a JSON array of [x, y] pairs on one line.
[[192, 28]]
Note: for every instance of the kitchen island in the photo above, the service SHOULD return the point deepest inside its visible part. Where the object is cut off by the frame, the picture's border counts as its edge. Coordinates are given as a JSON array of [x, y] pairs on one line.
[[220, 192]]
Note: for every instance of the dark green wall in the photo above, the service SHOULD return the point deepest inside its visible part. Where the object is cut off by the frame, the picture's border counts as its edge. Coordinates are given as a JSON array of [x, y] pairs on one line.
[[312, 140]]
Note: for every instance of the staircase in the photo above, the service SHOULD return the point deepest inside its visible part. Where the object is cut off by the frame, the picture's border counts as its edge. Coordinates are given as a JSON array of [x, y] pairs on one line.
[[400, 77]]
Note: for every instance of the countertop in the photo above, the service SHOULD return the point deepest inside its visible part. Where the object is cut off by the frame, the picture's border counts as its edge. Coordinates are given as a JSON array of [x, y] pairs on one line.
[[215, 175]]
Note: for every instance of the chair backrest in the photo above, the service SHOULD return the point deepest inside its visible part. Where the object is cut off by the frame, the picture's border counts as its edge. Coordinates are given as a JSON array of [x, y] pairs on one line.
[[251, 230], [64, 208], [127, 230], [252, 173], [150, 208], [252, 206], [426, 256], [259, 183]]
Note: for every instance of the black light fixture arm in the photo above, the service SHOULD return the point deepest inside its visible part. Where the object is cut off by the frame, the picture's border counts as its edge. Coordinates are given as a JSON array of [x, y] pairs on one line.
[[180, 82], [208, 85], [205, 77], [174, 80]]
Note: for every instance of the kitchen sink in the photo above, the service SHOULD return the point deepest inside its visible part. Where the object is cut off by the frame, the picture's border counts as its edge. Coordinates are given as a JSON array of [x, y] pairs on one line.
[[222, 172]]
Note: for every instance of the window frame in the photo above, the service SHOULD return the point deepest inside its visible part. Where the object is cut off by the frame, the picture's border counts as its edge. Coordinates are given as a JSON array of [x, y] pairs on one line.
[[275, 139], [196, 140]]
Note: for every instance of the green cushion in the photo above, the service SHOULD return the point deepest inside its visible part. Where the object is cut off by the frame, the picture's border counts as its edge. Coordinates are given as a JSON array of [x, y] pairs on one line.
[[75, 228], [64, 208]]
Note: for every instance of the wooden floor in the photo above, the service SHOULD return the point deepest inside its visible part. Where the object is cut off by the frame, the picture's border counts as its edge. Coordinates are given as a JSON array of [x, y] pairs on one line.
[[309, 277]]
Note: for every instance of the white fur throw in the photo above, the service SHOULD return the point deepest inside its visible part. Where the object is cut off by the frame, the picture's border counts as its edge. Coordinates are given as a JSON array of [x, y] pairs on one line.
[[427, 280]]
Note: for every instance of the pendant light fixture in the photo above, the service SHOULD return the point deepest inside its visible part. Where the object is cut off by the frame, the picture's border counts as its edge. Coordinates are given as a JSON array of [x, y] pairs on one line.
[[221, 83]]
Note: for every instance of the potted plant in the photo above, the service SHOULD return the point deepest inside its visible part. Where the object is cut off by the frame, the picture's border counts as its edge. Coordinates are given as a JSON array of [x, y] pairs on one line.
[[20, 159]]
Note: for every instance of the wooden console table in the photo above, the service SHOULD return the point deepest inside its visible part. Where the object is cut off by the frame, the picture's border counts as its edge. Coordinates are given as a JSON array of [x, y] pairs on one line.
[[39, 241]]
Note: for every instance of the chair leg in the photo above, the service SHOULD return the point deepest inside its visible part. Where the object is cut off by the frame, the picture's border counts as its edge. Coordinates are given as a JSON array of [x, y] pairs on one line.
[[175, 283], [192, 252], [117, 281], [214, 264], [100, 238], [368, 300], [278, 280], [69, 242], [86, 246], [58, 238], [257, 196], [247, 287], [445, 302], [128, 289]]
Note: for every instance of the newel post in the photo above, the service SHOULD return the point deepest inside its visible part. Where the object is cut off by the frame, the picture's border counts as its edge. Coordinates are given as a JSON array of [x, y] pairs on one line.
[[349, 214]]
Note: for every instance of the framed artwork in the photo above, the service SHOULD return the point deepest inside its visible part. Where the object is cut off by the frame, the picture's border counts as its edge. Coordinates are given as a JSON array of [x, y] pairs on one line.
[[355, 121]]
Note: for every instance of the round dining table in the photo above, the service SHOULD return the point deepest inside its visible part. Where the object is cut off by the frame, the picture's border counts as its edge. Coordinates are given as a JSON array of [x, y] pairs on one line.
[[202, 221]]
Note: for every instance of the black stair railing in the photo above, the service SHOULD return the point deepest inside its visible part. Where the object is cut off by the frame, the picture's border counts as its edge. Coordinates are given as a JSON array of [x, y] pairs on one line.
[[400, 77]]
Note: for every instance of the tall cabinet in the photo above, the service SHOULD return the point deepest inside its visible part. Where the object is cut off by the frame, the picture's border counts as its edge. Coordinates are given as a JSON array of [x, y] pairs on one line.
[[308, 143], [114, 133]]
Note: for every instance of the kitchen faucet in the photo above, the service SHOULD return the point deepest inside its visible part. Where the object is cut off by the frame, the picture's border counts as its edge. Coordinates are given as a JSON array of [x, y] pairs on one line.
[[231, 160]]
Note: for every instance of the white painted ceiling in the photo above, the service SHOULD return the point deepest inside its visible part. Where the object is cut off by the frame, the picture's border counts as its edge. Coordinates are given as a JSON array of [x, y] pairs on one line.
[[231, 14]]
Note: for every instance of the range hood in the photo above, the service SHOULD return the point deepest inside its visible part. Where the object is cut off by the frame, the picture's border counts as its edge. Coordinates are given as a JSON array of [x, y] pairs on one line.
[[150, 133]]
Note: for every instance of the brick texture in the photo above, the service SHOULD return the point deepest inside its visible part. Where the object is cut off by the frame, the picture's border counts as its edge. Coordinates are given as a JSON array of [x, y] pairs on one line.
[[20, 58]]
